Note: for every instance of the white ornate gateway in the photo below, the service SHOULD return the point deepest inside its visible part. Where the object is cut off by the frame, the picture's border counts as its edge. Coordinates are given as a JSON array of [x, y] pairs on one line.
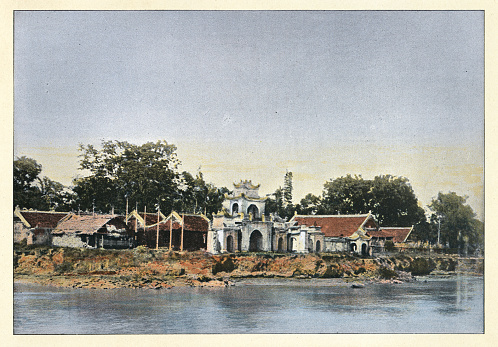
[[242, 226]]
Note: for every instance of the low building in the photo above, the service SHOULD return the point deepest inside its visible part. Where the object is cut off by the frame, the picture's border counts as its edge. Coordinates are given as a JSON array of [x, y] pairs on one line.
[[397, 235], [186, 231], [35, 226], [92, 231], [342, 233]]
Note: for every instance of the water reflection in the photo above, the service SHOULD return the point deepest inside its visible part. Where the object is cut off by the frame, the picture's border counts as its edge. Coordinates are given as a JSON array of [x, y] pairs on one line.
[[266, 306]]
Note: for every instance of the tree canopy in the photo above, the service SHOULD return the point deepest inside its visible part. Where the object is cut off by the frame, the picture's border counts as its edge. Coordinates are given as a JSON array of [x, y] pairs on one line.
[[145, 175], [391, 199], [33, 191], [458, 226]]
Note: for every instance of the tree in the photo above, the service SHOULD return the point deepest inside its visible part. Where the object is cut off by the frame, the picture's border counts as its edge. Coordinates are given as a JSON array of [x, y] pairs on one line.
[[310, 205], [394, 203], [26, 193], [287, 191], [145, 174], [459, 227], [198, 196], [33, 191], [390, 199], [346, 195]]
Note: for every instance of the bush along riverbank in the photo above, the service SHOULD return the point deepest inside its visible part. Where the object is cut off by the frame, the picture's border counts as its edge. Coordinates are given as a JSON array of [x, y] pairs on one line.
[[157, 269]]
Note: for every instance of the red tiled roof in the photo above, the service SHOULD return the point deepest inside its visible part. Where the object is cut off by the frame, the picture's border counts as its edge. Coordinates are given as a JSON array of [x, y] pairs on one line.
[[151, 218], [192, 223], [399, 234], [196, 223], [380, 233], [87, 224], [334, 225], [42, 219]]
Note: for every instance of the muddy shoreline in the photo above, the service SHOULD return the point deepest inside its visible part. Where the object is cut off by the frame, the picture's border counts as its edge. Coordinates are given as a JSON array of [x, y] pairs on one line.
[[162, 269]]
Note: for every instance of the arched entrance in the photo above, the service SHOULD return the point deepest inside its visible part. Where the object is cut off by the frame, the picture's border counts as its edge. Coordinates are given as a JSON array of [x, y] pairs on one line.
[[318, 246], [353, 247], [256, 241], [235, 209], [230, 243], [254, 210], [364, 249], [239, 241], [280, 244]]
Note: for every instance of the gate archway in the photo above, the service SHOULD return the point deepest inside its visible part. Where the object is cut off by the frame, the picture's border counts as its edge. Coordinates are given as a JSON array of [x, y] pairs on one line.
[[230, 244], [364, 249], [280, 244], [318, 246], [256, 241]]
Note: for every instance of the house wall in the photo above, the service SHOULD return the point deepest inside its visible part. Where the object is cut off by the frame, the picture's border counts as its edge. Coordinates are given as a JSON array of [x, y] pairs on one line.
[[66, 240], [20, 232], [334, 244]]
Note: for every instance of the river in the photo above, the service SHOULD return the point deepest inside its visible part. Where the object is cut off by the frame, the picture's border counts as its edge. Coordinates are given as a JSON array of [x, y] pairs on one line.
[[428, 305]]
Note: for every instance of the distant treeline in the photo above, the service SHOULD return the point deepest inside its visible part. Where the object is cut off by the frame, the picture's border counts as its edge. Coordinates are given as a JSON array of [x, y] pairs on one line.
[[121, 174]]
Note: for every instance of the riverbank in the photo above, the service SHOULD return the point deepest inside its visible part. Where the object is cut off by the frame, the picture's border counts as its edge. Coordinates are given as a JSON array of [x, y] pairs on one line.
[[162, 269]]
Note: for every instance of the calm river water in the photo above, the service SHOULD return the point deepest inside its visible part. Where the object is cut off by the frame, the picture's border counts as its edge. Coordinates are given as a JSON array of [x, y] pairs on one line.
[[440, 305]]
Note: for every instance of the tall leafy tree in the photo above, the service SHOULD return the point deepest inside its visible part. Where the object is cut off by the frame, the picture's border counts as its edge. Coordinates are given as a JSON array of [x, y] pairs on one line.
[[310, 205], [144, 174], [458, 226], [27, 194], [287, 191], [391, 199], [393, 202], [198, 196], [36, 192], [347, 195]]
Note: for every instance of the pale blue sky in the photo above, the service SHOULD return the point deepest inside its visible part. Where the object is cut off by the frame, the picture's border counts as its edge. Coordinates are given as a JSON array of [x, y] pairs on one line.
[[377, 85]]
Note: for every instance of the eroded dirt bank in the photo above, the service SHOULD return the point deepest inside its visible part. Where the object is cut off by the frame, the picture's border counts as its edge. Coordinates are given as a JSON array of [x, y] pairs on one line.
[[145, 268]]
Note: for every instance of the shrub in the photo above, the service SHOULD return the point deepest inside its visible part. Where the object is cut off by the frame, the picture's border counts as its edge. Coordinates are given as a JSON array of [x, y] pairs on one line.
[[225, 265], [386, 273], [64, 267], [360, 270]]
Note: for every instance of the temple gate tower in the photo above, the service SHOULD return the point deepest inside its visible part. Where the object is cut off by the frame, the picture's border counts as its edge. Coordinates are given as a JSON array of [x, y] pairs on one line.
[[245, 200]]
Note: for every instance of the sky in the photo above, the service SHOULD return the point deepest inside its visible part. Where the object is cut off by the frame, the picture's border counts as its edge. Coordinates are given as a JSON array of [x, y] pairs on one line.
[[253, 94]]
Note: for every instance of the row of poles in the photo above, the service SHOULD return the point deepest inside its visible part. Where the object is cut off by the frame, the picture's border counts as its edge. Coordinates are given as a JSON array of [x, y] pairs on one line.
[[157, 225]]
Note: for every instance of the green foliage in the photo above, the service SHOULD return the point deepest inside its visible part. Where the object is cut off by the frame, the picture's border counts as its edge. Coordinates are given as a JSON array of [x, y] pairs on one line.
[[198, 196], [459, 227], [287, 191], [145, 174], [346, 195], [391, 199], [64, 267], [33, 191], [386, 273], [281, 203], [310, 205], [394, 203]]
